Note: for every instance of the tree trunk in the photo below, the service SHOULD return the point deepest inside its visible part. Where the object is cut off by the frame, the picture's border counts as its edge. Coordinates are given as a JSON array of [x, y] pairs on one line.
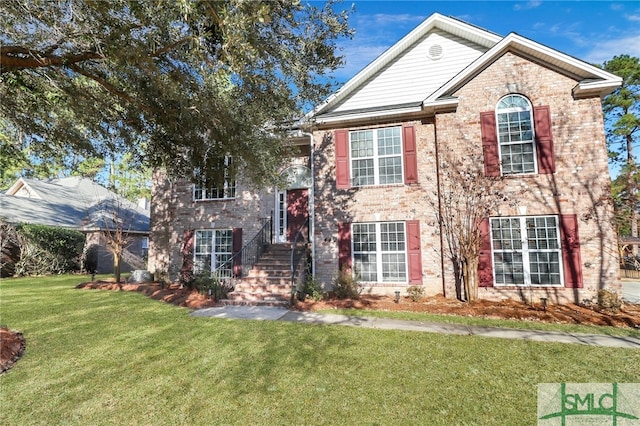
[[473, 279], [470, 277], [116, 267]]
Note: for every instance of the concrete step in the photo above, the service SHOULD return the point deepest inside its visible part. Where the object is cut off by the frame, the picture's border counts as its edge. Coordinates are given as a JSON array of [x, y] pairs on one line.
[[255, 296], [250, 286], [266, 281]]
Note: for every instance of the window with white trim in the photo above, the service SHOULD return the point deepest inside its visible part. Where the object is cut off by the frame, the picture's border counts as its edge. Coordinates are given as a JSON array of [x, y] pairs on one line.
[[376, 156], [514, 118], [212, 248], [380, 251], [215, 190], [526, 251]]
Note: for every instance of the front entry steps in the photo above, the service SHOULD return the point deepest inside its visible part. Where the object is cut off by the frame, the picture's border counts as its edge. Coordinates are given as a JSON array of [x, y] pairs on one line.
[[268, 283]]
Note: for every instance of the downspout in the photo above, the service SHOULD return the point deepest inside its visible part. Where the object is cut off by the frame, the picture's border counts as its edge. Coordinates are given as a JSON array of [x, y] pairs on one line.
[[312, 216], [435, 137]]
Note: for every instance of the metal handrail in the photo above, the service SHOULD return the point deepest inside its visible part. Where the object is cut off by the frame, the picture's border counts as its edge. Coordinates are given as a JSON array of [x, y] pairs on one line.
[[248, 254], [294, 250]]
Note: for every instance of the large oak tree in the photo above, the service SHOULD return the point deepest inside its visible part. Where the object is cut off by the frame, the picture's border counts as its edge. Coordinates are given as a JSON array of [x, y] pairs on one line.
[[175, 83]]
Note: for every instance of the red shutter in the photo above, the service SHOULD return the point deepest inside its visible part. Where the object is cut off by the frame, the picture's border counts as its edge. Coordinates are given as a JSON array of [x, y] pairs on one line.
[[344, 245], [342, 159], [186, 272], [571, 251], [410, 155], [236, 235], [544, 139], [485, 261], [414, 252], [490, 143]]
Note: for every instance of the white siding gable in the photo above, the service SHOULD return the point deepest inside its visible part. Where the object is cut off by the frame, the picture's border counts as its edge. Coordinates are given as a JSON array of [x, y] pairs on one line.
[[413, 76]]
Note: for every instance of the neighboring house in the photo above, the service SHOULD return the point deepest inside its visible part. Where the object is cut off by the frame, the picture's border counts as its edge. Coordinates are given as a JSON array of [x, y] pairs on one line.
[[80, 204], [372, 156]]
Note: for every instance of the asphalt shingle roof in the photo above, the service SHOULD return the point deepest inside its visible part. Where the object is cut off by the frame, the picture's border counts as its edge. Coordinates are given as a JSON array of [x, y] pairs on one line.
[[72, 202]]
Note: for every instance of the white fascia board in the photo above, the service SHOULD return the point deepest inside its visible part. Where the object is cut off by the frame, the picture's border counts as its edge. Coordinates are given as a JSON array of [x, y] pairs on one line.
[[436, 20], [438, 105], [518, 43], [600, 88], [368, 115], [16, 187]]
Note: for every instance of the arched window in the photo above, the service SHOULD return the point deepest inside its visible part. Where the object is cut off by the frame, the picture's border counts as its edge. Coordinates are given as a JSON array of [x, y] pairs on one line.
[[514, 117]]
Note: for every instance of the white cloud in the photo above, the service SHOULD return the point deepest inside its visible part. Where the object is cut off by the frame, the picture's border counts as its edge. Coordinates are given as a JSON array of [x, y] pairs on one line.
[[532, 4], [606, 49], [633, 18]]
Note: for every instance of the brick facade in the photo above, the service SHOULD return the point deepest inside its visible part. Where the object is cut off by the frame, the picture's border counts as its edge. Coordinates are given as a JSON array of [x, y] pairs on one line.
[[578, 187], [174, 211]]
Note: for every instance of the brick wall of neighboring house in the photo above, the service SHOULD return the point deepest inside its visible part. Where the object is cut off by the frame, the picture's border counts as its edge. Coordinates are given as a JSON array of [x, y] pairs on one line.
[[398, 202], [174, 211], [581, 178], [581, 181]]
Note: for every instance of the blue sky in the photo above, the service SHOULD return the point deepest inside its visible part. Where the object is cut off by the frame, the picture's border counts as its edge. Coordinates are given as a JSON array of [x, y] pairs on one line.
[[593, 31]]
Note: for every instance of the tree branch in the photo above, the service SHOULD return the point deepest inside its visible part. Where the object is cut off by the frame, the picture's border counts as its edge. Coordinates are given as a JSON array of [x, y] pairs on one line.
[[109, 87], [15, 58]]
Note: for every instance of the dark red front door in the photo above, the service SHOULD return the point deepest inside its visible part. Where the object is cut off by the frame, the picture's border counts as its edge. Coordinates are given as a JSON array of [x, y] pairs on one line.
[[297, 212]]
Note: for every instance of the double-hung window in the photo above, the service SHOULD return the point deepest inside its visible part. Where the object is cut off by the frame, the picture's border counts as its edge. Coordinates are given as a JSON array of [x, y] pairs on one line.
[[216, 189], [376, 156], [515, 135], [526, 251], [380, 251], [212, 248]]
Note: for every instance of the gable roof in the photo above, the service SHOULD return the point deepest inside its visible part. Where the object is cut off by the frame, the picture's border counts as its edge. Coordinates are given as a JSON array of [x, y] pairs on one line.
[[71, 202], [483, 48], [591, 80], [454, 27]]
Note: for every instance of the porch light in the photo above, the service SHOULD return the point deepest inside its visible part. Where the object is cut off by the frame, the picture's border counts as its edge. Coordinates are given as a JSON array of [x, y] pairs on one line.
[[397, 296]]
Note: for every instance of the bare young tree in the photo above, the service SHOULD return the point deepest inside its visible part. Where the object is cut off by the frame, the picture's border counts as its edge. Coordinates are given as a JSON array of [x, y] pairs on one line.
[[116, 218], [117, 239], [465, 200]]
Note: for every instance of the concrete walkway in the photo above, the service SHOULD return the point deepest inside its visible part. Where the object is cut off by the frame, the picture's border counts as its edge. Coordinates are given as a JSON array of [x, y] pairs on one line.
[[282, 314], [631, 290]]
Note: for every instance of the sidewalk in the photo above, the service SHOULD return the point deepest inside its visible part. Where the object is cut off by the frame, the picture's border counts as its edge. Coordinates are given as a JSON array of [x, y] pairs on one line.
[[282, 314]]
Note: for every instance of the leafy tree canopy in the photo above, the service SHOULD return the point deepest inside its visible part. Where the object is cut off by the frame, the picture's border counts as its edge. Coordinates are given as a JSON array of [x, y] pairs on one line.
[[173, 83]]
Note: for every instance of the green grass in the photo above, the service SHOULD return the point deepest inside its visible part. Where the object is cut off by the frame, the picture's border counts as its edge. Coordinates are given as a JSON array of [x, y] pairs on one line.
[[99, 357], [488, 322]]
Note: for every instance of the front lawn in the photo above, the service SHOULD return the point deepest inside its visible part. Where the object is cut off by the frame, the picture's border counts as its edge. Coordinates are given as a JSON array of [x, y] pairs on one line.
[[104, 357]]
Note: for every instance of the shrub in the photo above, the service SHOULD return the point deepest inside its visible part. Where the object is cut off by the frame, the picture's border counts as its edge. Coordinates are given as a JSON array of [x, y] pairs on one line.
[[415, 292], [608, 299], [346, 285], [9, 249], [90, 259], [313, 288], [206, 283], [48, 250]]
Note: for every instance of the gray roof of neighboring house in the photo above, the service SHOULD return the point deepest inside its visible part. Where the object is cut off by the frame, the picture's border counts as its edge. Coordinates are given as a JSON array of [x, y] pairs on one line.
[[71, 202]]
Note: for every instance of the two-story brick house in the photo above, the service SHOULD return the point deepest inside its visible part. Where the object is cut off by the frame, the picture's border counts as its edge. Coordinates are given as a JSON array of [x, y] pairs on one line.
[[371, 164]]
